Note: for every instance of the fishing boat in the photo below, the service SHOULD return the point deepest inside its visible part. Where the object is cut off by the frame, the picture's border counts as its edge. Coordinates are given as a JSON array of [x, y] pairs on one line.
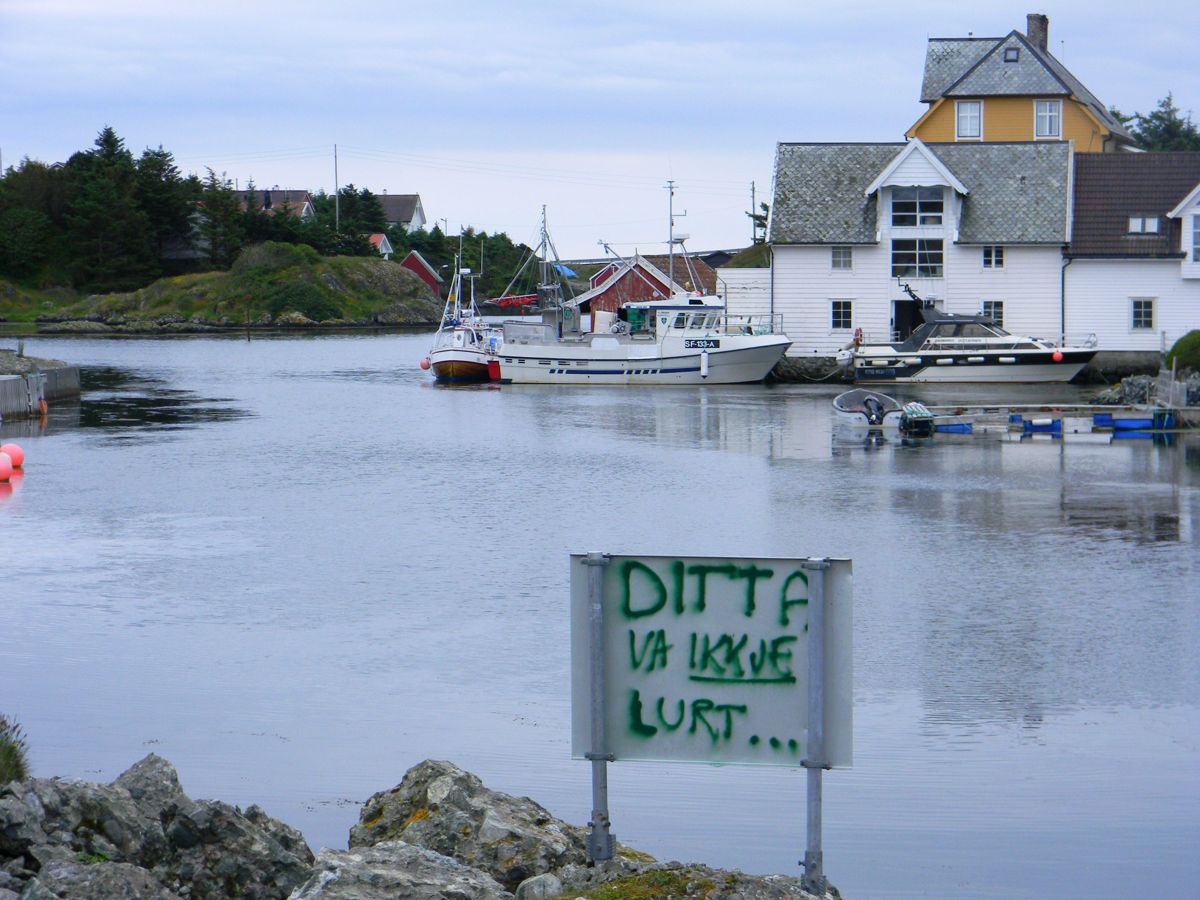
[[684, 338], [951, 348], [465, 346], [862, 408]]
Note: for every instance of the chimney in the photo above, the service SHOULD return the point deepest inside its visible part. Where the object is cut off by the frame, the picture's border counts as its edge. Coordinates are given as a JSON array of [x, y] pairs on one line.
[[1037, 29]]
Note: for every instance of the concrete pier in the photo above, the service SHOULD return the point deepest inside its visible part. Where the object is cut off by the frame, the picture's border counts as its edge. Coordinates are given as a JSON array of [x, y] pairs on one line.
[[28, 385]]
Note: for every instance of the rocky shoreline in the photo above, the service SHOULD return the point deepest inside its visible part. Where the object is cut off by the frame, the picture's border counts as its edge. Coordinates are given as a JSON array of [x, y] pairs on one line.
[[440, 833], [391, 317]]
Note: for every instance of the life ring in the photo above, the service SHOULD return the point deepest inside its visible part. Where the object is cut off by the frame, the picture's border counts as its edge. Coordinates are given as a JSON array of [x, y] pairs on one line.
[[858, 337]]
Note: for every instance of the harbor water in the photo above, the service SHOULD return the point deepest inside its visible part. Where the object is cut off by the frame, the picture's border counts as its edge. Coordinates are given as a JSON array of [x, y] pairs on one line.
[[295, 567]]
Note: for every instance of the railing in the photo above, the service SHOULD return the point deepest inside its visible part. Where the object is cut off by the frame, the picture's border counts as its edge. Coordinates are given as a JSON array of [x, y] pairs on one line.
[[1168, 391]]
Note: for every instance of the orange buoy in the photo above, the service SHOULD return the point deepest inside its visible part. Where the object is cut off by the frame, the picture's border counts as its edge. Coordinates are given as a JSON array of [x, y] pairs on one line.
[[1056, 356], [425, 363], [15, 453], [6, 468]]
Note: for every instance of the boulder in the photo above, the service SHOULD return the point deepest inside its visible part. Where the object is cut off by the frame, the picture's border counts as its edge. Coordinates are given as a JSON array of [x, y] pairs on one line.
[[439, 806], [395, 869], [142, 836]]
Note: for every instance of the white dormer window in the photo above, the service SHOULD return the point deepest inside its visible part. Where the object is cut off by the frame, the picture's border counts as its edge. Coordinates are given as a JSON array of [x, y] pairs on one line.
[[1143, 224], [1047, 119], [968, 116], [916, 206]]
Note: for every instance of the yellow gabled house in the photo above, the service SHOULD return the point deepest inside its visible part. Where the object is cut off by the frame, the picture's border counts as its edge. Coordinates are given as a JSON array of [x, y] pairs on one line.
[[1010, 89]]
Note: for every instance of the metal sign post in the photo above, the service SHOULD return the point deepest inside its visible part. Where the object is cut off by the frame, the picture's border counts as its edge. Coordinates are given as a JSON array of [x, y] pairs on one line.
[[600, 840], [814, 871]]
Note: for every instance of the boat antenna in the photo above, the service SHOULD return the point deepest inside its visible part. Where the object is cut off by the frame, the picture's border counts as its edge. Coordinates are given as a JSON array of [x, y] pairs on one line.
[[671, 231]]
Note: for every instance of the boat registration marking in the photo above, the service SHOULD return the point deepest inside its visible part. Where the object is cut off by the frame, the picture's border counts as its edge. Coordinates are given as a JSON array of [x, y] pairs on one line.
[[701, 343]]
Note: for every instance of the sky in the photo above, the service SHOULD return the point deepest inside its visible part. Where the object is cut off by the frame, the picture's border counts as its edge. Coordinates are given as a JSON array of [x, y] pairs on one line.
[[490, 110]]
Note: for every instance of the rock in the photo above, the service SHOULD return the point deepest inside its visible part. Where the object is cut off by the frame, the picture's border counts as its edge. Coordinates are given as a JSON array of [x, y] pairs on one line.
[[678, 881], [540, 887], [395, 869], [98, 881], [292, 319], [439, 806], [142, 836]]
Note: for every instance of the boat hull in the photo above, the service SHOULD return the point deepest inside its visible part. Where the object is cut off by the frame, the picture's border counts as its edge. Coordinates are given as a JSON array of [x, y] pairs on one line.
[[542, 364], [998, 368], [459, 366]]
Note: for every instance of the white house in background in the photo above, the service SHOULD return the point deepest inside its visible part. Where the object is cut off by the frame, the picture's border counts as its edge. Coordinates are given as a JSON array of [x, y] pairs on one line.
[[1133, 265], [404, 210], [973, 228]]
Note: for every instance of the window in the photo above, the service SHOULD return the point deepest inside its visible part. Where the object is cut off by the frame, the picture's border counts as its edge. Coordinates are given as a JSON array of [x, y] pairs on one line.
[[1196, 238], [994, 310], [1143, 224], [1012, 54], [916, 206], [1143, 312], [917, 259], [841, 258], [840, 314], [968, 115], [1047, 118], [993, 257]]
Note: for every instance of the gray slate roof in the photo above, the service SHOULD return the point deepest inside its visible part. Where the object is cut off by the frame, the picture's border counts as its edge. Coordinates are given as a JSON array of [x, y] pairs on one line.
[[819, 192], [975, 67], [992, 76], [1018, 193]]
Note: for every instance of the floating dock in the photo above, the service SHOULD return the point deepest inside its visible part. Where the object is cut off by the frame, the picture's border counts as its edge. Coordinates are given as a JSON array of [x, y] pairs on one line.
[[1064, 420]]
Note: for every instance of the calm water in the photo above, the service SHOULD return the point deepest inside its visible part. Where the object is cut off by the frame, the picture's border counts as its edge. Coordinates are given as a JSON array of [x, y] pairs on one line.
[[295, 568]]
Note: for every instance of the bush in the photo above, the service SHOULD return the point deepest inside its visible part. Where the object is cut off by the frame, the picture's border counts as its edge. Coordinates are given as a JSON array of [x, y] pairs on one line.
[[1186, 352], [14, 761], [304, 298], [273, 257]]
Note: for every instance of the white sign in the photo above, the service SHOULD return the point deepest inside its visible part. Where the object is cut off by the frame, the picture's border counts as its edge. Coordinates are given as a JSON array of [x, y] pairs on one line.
[[705, 659]]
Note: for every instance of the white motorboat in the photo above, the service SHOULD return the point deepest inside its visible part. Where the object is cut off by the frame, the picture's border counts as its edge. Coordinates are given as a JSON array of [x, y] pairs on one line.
[[465, 346], [949, 348], [684, 339]]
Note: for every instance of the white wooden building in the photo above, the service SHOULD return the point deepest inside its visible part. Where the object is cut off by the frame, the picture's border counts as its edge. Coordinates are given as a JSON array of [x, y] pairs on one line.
[[974, 228]]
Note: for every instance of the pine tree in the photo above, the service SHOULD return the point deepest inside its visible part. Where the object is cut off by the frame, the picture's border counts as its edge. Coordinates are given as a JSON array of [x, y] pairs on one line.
[[108, 233], [165, 197], [221, 222]]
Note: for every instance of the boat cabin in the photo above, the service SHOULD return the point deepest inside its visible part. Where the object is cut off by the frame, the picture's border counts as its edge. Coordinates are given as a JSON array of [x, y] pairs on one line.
[[954, 332]]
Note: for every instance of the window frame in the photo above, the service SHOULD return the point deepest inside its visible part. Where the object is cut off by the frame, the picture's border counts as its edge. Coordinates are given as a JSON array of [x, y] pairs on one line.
[[1138, 309], [922, 254], [959, 107], [993, 309], [1012, 54], [920, 217], [1196, 238], [841, 310], [992, 256], [1048, 105], [847, 257], [1141, 225]]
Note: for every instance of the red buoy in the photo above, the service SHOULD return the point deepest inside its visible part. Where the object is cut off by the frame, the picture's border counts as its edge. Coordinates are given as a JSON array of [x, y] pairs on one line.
[[425, 363], [6, 467], [15, 453], [1056, 356]]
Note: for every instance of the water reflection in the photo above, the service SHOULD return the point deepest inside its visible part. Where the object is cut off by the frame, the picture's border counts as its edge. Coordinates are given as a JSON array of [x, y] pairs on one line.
[[127, 404]]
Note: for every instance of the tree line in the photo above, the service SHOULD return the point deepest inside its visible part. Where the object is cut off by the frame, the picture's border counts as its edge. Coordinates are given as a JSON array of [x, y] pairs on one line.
[[106, 221]]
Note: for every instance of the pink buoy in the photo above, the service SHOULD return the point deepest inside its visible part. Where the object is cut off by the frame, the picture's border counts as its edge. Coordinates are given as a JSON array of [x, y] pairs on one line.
[[15, 453], [425, 363], [1057, 356], [6, 467]]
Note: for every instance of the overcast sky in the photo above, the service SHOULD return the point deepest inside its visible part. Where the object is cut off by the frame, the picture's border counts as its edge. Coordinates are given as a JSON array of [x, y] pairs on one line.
[[489, 110]]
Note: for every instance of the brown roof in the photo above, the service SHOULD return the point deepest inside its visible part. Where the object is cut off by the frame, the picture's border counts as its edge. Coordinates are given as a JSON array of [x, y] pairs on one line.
[[705, 273], [275, 200], [1111, 187]]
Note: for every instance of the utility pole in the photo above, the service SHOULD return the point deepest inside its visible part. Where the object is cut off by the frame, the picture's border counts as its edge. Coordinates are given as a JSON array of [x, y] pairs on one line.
[[337, 210], [753, 212]]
